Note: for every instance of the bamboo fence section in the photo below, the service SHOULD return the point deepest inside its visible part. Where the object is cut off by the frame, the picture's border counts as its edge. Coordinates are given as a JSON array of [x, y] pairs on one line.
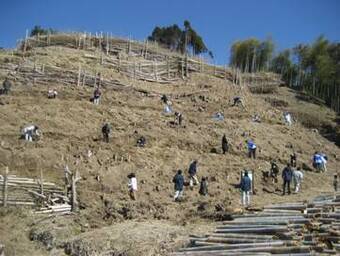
[[45, 197], [303, 228], [156, 64]]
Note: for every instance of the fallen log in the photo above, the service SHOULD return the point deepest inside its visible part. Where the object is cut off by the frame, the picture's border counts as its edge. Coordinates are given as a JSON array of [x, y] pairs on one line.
[[266, 230], [231, 246], [245, 236]]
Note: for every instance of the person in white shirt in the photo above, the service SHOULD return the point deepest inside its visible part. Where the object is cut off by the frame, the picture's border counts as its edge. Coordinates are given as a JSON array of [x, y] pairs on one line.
[[29, 131], [52, 93], [297, 179], [132, 185], [288, 118]]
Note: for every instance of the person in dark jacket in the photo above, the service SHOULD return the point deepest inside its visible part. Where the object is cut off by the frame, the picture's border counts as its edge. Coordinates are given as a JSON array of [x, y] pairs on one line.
[[293, 159], [238, 101], [178, 118], [141, 142], [178, 180], [193, 180], [245, 187], [96, 96], [274, 171], [164, 98], [287, 175], [7, 84], [106, 130], [225, 146], [204, 186]]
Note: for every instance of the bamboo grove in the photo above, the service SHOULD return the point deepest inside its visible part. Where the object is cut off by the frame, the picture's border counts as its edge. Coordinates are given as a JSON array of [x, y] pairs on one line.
[[311, 68]]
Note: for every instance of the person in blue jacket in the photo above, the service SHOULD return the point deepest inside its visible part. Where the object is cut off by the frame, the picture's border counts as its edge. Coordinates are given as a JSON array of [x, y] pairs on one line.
[[178, 180], [319, 161], [245, 187], [251, 148], [287, 175]]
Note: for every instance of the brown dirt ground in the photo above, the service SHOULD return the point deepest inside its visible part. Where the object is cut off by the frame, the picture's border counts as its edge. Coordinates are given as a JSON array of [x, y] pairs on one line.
[[154, 224]]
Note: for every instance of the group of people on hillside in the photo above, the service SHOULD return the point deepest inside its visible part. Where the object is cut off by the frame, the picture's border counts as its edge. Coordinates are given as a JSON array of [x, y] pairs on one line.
[[179, 181], [290, 173]]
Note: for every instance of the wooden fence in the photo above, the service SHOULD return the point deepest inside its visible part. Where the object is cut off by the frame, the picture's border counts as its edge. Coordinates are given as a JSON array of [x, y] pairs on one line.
[[154, 64]]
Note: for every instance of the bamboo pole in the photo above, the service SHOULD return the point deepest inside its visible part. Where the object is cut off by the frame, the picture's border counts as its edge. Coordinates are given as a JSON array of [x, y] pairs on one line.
[[41, 182], [25, 43], [75, 179], [79, 73], [5, 189]]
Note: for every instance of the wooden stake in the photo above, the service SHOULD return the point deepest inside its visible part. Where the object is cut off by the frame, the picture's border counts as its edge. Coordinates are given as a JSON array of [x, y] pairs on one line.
[[168, 66], [107, 43], [41, 182], [79, 72], [5, 189], [134, 70], [25, 43], [75, 179], [84, 78]]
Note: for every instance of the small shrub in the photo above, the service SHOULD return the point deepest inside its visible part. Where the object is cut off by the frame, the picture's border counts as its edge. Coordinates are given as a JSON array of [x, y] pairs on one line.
[[277, 102], [263, 88]]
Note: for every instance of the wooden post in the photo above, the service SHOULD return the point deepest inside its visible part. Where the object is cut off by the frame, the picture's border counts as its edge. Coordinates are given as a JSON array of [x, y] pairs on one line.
[[134, 70], [168, 66], [5, 189], [201, 65], [107, 43], [186, 66], [25, 43], [95, 80], [84, 78], [155, 70], [41, 182], [79, 72], [225, 72], [75, 179], [119, 62], [48, 38]]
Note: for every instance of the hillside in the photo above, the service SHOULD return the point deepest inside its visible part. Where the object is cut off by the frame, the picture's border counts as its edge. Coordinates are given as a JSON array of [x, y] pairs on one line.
[[71, 126]]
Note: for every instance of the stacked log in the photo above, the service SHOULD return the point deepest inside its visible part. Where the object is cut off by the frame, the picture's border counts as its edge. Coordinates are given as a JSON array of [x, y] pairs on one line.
[[47, 197], [302, 228]]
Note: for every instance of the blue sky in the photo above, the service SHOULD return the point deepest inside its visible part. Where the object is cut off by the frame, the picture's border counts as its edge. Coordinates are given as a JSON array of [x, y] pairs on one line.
[[220, 23]]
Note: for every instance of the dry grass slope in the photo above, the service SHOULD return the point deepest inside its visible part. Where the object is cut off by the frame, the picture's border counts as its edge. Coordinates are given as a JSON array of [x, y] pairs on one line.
[[71, 126]]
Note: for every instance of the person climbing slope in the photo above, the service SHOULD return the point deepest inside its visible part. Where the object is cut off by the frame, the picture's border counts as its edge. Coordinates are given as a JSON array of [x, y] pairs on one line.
[[225, 146], [251, 148], [96, 96], [287, 175], [106, 130], [204, 186], [245, 187], [132, 185], [178, 181], [30, 132], [193, 180]]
